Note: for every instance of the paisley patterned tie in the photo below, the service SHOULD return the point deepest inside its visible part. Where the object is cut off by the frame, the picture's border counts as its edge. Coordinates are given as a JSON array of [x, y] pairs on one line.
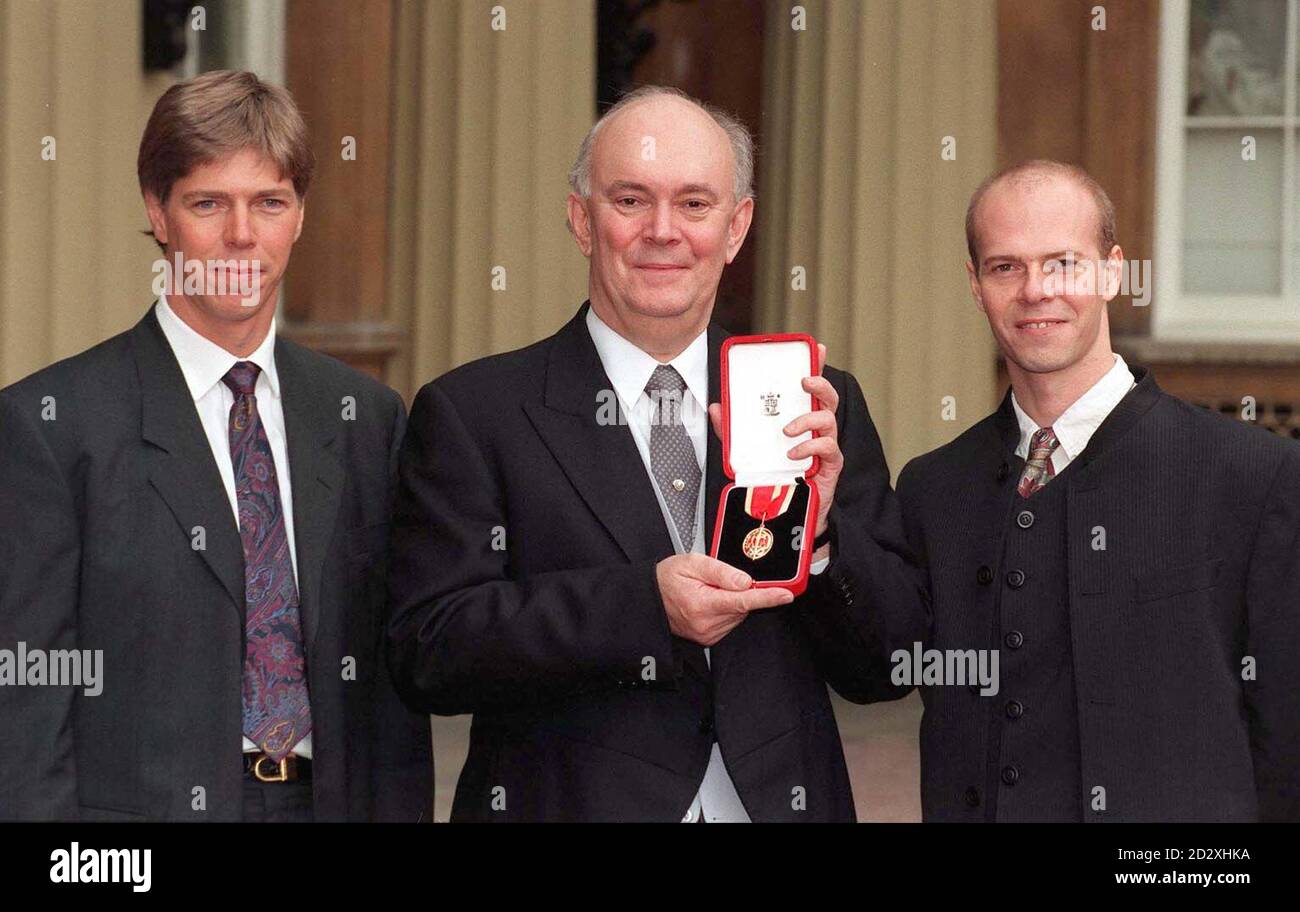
[[276, 712], [1038, 468]]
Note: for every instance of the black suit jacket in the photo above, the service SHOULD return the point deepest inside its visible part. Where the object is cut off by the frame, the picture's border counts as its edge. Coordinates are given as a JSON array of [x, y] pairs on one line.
[[546, 639], [1201, 568], [98, 509]]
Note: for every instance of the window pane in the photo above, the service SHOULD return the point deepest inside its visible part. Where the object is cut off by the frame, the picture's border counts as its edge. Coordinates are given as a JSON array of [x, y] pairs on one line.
[[1232, 213], [1237, 52]]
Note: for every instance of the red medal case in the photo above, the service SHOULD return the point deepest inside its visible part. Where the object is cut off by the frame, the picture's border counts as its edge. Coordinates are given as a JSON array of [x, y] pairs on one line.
[[762, 392]]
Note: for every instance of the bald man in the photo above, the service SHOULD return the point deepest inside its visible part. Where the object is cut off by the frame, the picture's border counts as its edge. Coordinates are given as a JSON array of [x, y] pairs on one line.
[[1133, 561], [546, 582]]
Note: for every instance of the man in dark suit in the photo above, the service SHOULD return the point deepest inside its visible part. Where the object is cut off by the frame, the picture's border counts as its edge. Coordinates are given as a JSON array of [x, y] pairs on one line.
[[548, 567], [202, 509], [1134, 561]]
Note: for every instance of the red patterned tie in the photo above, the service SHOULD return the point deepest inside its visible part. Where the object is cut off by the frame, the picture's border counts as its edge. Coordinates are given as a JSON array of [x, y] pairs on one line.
[[276, 712], [1038, 468]]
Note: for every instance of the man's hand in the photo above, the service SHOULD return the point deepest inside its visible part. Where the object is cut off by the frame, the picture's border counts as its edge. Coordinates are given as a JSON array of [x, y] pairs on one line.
[[826, 445], [705, 598]]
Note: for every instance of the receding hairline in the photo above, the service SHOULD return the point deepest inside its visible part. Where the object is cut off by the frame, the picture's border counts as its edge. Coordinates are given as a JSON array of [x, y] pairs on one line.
[[671, 97], [738, 136], [1039, 171]]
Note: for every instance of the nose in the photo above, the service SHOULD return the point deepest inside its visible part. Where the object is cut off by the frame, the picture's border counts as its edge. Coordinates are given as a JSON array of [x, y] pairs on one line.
[[660, 227], [239, 227], [1035, 288]]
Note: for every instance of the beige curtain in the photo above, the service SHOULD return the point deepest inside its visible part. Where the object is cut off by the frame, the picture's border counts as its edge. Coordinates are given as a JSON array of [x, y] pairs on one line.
[[855, 190], [74, 267], [486, 123]]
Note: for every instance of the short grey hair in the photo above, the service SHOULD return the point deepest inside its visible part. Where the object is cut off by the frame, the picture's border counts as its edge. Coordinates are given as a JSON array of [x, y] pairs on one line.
[[742, 143]]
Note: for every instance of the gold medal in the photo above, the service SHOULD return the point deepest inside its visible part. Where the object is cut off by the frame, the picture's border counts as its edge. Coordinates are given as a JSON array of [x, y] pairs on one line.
[[757, 543], [764, 503]]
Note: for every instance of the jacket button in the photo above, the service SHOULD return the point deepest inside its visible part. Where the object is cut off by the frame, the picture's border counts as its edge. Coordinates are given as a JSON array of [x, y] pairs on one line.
[[1024, 519], [1015, 709], [1015, 639], [1010, 775], [984, 575], [1016, 579], [972, 796], [706, 725], [1003, 471]]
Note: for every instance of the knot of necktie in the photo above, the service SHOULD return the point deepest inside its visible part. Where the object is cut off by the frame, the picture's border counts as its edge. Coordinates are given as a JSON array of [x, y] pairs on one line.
[[242, 378], [1038, 467], [665, 379], [665, 389]]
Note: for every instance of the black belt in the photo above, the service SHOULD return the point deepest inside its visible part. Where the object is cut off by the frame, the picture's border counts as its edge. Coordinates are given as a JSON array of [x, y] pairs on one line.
[[261, 767]]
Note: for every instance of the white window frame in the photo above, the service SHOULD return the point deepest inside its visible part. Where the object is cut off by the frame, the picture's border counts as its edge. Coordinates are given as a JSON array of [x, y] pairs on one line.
[[1177, 315]]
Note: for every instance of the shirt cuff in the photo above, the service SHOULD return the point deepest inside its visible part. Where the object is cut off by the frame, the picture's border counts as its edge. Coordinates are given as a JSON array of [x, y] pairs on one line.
[[818, 566]]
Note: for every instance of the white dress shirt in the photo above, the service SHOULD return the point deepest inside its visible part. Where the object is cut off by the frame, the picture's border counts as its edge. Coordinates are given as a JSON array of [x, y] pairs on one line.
[[204, 363], [1080, 421], [629, 369]]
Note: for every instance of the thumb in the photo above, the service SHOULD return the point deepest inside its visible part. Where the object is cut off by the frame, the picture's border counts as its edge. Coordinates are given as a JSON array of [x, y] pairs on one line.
[[724, 576]]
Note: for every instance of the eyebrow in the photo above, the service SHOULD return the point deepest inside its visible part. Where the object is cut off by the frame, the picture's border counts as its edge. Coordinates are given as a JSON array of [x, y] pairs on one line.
[[699, 189], [226, 197], [1011, 258]]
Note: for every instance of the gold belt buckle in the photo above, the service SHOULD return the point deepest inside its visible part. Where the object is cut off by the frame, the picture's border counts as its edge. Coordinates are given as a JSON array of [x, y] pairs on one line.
[[265, 777]]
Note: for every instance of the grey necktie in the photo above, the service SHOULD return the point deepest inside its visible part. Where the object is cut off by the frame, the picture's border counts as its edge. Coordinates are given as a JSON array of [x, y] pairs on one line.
[[672, 456]]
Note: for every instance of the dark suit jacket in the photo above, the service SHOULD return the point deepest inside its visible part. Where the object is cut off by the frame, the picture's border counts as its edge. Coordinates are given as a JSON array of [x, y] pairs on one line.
[[545, 640], [97, 512], [1201, 568]]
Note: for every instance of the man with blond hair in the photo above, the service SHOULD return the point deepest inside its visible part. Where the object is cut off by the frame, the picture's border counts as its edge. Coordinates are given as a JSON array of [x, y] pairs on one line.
[[199, 509]]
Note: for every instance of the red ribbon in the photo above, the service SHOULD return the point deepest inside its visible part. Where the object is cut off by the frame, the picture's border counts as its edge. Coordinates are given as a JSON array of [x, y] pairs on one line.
[[768, 501]]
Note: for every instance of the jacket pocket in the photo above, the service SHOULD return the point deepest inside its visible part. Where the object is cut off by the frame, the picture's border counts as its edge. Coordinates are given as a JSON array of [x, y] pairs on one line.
[[92, 814], [1161, 584]]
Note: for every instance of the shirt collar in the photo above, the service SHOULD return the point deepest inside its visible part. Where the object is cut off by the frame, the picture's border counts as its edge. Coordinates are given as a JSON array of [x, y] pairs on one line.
[[1080, 421], [203, 362], [629, 368]]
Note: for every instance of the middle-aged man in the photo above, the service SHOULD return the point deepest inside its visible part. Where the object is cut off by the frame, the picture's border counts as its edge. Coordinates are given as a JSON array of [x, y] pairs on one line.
[[195, 513], [1134, 560], [539, 570]]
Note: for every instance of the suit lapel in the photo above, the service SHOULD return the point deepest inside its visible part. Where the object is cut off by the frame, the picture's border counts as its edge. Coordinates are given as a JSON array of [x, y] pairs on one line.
[[315, 473], [1002, 433], [598, 456], [179, 460], [1135, 404]]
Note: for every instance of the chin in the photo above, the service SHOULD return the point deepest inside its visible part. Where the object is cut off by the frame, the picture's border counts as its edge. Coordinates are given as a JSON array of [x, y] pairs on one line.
[[233, 307], [660, 305], [1042, 362]]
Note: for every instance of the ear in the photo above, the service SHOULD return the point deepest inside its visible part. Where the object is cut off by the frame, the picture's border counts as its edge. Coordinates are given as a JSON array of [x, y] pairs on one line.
[[580, 222], [739, 226], [975, 290], [153, 208], [302, 211], [1114, 267]]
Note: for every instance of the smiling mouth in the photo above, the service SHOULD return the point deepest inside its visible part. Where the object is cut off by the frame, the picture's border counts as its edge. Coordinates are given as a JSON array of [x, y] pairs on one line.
[[1039, 324]]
